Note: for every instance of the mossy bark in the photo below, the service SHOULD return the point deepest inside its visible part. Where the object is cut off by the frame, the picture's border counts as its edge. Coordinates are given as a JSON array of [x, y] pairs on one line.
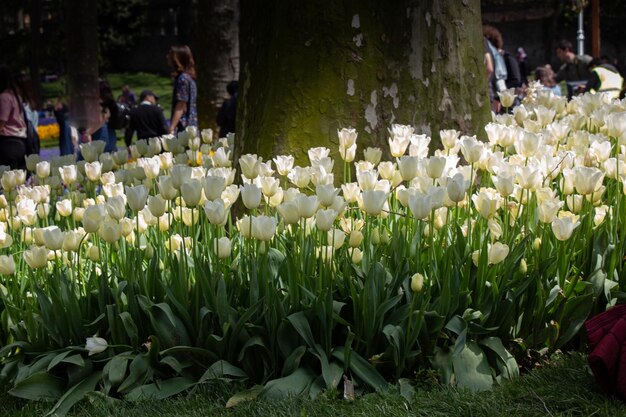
[[216, 50], [310, 68]]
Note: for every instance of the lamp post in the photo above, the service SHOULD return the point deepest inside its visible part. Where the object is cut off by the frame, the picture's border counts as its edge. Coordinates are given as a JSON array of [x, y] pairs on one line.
[[580, 35]]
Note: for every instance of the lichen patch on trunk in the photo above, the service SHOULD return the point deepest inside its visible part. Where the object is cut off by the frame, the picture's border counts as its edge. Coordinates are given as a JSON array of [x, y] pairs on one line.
[[370, 111], [350, 91]]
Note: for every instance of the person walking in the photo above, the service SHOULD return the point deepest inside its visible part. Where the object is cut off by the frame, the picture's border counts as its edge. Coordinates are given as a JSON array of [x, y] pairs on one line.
[[184, 113], [12, 123], [146, 119]]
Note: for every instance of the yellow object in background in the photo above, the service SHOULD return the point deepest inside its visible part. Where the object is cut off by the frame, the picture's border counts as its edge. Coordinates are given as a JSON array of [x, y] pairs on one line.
[[48, 132]]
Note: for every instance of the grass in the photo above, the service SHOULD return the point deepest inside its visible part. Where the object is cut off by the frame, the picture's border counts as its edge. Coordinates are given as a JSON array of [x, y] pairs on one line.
[[160, 85], [563, 387]]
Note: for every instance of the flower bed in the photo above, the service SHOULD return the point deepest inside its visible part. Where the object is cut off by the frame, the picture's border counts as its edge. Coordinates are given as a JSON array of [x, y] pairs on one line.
[[137, 279]]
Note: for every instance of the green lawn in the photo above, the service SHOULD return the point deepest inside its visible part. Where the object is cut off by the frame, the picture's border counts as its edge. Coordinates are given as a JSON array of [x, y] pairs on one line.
[[563, 387], [160, 85]]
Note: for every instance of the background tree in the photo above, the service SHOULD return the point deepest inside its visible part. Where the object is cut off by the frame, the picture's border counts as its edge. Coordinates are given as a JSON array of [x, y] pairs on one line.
[[311, 69], [120, 23], [216, 50], [82, 62]]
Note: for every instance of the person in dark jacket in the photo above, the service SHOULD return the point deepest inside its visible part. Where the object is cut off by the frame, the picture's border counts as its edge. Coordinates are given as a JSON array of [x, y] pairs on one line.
[[146, 119], [228, 112]]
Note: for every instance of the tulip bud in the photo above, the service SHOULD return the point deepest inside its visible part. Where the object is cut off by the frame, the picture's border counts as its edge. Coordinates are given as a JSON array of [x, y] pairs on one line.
[[537, 244], [475, 257], [36, 257], [523, 267], [148, 251], [7, 264], [222, 247], [417, 282], [93, 253], [356, 256], [375, 237], [95, 345], [356, 237], [262, 248], [384, 237]]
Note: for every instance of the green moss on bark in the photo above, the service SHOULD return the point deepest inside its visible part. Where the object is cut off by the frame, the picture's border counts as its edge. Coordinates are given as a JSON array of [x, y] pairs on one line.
[[417, 63]]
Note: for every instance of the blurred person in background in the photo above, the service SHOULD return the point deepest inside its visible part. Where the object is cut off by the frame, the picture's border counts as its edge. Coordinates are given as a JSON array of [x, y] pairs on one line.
[[12, 123], [109, 116], [26, 91], [545, 75], [184, 113], [61, 114], [604, 78], [574, 69], [523, 66], [146, 119], [510, 75], [513, 77], [127, 97], [228, 112]]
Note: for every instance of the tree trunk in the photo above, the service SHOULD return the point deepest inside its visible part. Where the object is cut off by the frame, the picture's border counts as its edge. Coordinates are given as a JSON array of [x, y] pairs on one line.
[[82, 62], [315, 68], [217, 55], [35, 38]]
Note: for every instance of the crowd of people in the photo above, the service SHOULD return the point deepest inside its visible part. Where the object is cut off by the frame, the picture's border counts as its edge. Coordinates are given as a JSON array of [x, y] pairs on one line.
[[142, 118], [578, 73]]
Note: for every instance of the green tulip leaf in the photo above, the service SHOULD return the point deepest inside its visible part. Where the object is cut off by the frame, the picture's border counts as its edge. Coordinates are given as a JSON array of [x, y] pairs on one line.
[[74, 394], [471, 368], [139, 372], [293, 360], [505, 359], [301, 324], [363, 369], [40, 386], [294, 384], [222, 370], [575, 313], [245, 395], [158, 391], [117, 369]]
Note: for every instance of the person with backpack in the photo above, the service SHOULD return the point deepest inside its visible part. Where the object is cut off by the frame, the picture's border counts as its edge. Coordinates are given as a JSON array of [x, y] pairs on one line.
[[506, 67]]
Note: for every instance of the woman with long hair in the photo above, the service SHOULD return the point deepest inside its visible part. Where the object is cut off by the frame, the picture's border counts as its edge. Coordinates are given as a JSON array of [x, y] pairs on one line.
[[184, 92], [12, 123]]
